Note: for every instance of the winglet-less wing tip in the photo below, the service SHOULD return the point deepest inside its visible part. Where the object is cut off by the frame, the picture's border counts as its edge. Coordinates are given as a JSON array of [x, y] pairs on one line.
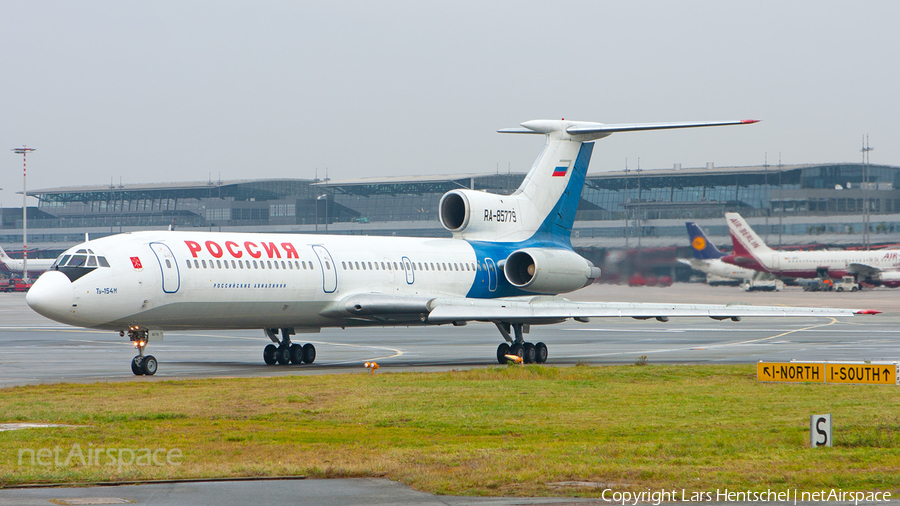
[[867, 311], [748, 121]]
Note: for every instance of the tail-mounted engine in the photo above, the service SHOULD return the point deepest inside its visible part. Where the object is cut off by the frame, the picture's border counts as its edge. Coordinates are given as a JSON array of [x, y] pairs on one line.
[[545, 270], [480, 215]]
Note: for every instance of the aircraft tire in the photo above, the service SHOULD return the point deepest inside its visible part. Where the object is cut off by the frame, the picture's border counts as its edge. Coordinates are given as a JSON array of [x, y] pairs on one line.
[[502, 351], [309, 353], [269, 354], [149, 365], [540, 353], [283, 355], [136, 365], [528, 354], [296, 354], [517, 350]]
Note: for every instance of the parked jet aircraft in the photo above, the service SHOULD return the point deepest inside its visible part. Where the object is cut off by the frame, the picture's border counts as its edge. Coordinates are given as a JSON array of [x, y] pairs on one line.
[[35, 265], [878, 267], [708, 258], [508, 258]]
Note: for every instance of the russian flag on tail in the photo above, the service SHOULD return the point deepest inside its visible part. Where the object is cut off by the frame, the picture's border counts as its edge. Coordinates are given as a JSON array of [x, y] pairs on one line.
[[560, 171]]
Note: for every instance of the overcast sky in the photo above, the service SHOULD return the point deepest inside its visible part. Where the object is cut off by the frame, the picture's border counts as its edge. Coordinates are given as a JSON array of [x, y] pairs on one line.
[[175, 91]]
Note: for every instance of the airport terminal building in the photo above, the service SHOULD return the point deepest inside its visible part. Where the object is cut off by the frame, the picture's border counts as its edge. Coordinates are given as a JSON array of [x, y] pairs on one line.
[[787, 205]]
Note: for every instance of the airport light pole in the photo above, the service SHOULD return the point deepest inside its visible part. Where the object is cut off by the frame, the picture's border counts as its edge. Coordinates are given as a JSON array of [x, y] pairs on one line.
[[325, 198], [625, 204], [865, 156], [766, 194], [24, 150], [638, 225]]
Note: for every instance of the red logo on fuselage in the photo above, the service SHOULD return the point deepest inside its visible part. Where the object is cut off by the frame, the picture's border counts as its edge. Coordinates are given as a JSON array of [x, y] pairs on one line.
[[251, 248], [136, 262]]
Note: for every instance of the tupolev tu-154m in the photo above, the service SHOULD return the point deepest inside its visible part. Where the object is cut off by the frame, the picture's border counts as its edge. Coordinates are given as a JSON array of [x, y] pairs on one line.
[[508, 260]]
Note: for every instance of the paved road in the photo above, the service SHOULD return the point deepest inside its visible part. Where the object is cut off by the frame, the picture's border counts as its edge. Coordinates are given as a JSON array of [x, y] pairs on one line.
[[347, 492], [36, 350]]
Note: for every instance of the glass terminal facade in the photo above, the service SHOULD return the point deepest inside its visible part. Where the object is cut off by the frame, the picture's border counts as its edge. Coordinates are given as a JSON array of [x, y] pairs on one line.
[[616, 207]]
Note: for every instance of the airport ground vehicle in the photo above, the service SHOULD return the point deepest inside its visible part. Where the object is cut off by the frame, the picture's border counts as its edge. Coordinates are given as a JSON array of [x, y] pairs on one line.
[[817, 284], [762, 285], [15, 285], [846, 283]]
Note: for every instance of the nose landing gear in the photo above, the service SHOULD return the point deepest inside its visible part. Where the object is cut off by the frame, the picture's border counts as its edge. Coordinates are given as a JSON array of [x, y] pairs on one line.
[[142, 365]]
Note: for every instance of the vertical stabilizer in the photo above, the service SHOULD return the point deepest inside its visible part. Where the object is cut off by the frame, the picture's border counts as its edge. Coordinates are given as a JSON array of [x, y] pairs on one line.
[[746, 242], [11, 264], [703, 248]]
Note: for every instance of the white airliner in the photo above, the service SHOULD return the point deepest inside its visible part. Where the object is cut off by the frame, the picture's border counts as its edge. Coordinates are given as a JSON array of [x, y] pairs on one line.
[[877, 267], [35, 265], [509, 257]]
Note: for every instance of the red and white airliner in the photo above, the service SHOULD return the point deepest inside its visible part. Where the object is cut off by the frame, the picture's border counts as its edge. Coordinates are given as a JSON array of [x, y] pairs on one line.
[[876, 267], [509, 258]]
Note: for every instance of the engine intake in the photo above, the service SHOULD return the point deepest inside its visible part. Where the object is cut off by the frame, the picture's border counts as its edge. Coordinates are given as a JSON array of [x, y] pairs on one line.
[[545, 270], [454, 211]]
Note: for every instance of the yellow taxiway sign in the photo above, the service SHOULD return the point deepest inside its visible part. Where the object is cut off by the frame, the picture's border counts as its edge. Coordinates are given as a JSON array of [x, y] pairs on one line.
[[829, 372]]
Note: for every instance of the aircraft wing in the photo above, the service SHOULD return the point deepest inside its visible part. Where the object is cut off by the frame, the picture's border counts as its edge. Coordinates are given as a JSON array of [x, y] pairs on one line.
[[384, 308], [863, 269], [551, 309]]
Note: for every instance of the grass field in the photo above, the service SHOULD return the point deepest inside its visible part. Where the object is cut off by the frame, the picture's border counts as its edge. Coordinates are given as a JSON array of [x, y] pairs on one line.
[[502, 431]]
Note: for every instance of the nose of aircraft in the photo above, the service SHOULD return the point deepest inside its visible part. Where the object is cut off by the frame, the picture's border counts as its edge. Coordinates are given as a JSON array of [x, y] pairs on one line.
[[51, 295]]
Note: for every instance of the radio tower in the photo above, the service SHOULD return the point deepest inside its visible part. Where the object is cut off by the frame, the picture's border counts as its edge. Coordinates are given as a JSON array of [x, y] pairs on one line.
[[865, 159], [24, 152]]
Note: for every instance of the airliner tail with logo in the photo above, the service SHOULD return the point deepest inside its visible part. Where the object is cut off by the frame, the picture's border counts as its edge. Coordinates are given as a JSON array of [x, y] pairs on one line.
[[508, 260], [708, 259]]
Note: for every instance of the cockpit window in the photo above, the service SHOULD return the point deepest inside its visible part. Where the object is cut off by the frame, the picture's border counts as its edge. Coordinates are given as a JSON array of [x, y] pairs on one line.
[[83, 262], [61, 260]]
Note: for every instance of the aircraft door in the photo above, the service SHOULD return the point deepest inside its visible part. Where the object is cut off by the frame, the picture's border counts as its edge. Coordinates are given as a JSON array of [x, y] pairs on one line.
[[390, 270], [492, 274], [329, 270], [408, 269], [171, 280]]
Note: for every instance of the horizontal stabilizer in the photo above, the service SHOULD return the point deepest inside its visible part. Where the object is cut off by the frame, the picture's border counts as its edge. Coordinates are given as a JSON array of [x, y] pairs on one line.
[[591, 128], [597, 130]]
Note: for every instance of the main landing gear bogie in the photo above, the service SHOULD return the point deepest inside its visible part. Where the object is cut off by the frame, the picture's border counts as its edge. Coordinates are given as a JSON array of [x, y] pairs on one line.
[[528, 352], [284, 352]]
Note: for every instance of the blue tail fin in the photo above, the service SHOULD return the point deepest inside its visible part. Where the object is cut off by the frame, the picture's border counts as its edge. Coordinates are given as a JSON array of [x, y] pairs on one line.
[[703, 248]]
